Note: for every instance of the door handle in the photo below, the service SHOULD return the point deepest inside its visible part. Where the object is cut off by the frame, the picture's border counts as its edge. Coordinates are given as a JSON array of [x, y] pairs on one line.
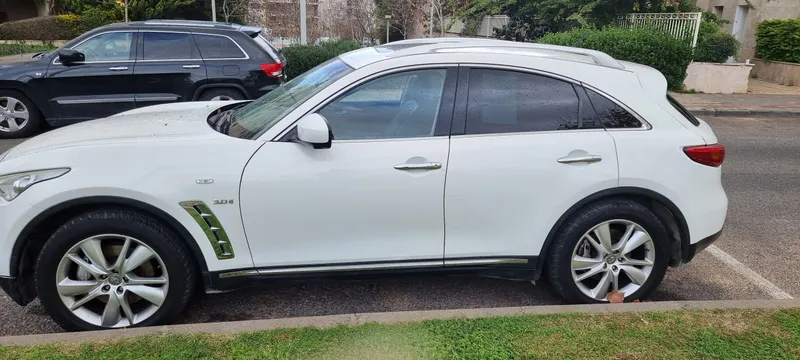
[[118, 68], [580, 159], [422, 166], [191, 66]]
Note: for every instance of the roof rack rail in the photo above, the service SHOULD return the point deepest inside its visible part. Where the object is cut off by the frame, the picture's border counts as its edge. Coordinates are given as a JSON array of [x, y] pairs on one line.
[[600, 58]]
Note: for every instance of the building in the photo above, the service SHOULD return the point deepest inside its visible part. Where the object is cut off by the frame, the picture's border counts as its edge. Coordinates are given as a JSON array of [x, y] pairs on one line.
[[744, 17], [12, 10]]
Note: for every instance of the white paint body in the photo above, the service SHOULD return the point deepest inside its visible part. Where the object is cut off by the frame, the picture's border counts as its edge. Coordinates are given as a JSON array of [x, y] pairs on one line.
[[494, 195]]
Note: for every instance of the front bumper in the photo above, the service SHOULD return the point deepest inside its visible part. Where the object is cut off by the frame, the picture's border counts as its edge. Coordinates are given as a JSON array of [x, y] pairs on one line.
[[12, 287], [700, 246]]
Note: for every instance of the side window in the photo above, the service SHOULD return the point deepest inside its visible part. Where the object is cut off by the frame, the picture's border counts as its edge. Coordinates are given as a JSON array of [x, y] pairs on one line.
[[503, 101], [115, 46], [612, 115], [168, 46], [217, 47], [403, 105]]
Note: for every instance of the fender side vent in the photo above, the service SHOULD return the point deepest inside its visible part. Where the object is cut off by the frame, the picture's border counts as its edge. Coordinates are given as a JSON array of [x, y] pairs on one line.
[[211, 226]]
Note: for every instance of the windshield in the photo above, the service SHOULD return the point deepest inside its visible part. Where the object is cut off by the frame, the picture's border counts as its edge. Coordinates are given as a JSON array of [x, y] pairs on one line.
[[257, 117]]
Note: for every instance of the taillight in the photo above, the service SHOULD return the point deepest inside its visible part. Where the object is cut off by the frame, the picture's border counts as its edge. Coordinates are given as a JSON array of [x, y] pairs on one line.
[[273, 70], [710, 155]]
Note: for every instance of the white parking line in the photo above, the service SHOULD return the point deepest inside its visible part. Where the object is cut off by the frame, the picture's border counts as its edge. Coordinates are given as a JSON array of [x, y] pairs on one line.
[[745, 271]]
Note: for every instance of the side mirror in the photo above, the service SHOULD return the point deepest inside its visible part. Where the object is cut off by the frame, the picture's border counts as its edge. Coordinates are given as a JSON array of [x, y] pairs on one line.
[[313, 129], [67, 56]]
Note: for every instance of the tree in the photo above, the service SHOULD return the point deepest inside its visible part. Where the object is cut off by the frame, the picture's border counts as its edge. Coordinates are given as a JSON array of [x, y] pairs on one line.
[[235, 9], [408, 16]]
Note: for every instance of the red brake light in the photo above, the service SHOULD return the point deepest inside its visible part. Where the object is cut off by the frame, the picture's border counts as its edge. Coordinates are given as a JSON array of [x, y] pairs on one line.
[[273, 70], [710, 155]]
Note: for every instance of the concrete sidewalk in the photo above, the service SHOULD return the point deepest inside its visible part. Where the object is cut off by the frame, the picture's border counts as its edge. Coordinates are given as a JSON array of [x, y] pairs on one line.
[[741, 105], [391, 318]]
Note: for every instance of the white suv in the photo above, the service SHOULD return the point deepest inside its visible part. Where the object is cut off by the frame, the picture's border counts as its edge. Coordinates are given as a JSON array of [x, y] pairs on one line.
[[496, 158]]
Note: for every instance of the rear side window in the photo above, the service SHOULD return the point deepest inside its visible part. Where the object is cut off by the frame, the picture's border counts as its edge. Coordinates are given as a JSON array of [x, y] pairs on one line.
[[218, 47], [612, 115], [502, 101], [168, 46], [271, 50], [683, 110]]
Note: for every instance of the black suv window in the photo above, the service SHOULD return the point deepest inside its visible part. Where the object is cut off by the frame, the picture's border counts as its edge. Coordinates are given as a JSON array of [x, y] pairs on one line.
[[168, 46], [218, 47], [612, 115], [503, 101], [112, 46]]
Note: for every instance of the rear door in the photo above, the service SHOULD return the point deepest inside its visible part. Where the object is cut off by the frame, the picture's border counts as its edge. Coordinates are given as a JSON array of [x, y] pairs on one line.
[[101, 86], [169, 68], [524, 148], [228, 64]]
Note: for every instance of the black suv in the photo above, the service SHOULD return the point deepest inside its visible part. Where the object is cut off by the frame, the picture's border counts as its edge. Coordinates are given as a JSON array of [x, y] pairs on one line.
[[123, 66]]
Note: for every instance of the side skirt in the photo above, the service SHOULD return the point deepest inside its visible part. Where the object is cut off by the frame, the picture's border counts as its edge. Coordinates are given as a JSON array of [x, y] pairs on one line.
[[509, 268]]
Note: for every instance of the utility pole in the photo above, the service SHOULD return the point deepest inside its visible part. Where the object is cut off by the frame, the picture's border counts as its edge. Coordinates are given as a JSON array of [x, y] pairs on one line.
[[388, 18], [303, 33], [430, 26], [214, 10], [126, 10]]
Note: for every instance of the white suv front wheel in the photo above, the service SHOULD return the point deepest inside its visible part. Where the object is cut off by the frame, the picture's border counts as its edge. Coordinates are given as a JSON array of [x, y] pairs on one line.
[[113, 269]]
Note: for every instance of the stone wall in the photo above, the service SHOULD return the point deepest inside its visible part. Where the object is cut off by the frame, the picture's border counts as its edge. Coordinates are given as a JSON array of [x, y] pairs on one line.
[[777, 72], [714, 78]]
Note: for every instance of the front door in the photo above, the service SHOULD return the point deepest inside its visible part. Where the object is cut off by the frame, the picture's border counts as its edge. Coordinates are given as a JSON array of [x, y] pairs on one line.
[[169, 68], [98, 87], [526, 148], [374, 199]]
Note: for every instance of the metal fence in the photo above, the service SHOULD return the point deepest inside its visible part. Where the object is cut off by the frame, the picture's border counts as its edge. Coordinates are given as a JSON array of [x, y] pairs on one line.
[[684, 26]]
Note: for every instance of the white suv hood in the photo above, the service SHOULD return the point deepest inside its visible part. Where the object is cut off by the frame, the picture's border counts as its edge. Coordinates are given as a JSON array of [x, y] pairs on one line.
[[174, 122]]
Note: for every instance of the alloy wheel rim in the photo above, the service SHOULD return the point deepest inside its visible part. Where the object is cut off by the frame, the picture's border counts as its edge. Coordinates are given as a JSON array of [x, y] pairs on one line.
[[616, 255], [14, 115], [112, 281], [221, 98]]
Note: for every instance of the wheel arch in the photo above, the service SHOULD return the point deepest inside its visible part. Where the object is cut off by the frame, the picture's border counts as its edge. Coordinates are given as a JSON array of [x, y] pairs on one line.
[[203, 88], [662, 207], [41, 104], [33, 236]]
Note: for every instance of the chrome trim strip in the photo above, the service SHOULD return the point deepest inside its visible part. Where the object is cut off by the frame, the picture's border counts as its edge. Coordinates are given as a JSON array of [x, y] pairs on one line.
[[484, 262], [211, 226], [309, 269], [238, 274], [157, 98], [95, 101]]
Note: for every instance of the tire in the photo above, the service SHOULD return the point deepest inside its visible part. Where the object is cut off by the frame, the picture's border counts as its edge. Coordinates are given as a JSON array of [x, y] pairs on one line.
[[112, 229], [222, 94], [21, 127], [621, 215]]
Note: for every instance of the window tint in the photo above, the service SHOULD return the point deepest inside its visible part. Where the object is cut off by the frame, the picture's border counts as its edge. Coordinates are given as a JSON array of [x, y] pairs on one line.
[[217, 47], [502, 101], [115, 46], [612, 115], [168, 46], [401, 105]]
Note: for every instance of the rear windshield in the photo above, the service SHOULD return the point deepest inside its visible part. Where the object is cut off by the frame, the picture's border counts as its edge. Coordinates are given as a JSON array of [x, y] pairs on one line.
[[683, 110], [271, 50]]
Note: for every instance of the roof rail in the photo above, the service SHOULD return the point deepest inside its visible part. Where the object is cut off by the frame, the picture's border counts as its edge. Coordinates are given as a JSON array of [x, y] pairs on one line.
[[600, 58]]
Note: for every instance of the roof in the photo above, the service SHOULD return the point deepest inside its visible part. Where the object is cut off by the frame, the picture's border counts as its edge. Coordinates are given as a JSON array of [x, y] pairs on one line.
[[360, 58], [196, 24]]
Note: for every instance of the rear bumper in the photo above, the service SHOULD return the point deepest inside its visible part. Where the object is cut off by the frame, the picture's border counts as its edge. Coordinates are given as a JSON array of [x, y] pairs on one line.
[[12, 287], [700, 246]]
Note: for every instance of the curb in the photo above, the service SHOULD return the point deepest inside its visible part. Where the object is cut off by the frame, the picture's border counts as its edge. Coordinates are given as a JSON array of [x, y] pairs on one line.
[[390, 318], [744, 112]]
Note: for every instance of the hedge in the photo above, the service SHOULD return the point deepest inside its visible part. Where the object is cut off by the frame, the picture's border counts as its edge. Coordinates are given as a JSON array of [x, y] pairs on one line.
[[778, 40], [649, 47], [60, 27], [16, 49], [301, 58], [716, 48]]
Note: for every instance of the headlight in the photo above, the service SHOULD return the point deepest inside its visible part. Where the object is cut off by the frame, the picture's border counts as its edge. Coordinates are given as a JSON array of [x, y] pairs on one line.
[[12, 185]]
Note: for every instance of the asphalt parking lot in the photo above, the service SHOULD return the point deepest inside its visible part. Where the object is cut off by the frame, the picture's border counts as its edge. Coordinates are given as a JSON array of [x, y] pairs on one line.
[[754, 259]]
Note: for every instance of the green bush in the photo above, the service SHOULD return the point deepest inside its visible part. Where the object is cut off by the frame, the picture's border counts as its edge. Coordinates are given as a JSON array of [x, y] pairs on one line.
[[649, 47], [778, 40], [716, 48], [301, 58], [60, 27], [97, 17], [22, 48]]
